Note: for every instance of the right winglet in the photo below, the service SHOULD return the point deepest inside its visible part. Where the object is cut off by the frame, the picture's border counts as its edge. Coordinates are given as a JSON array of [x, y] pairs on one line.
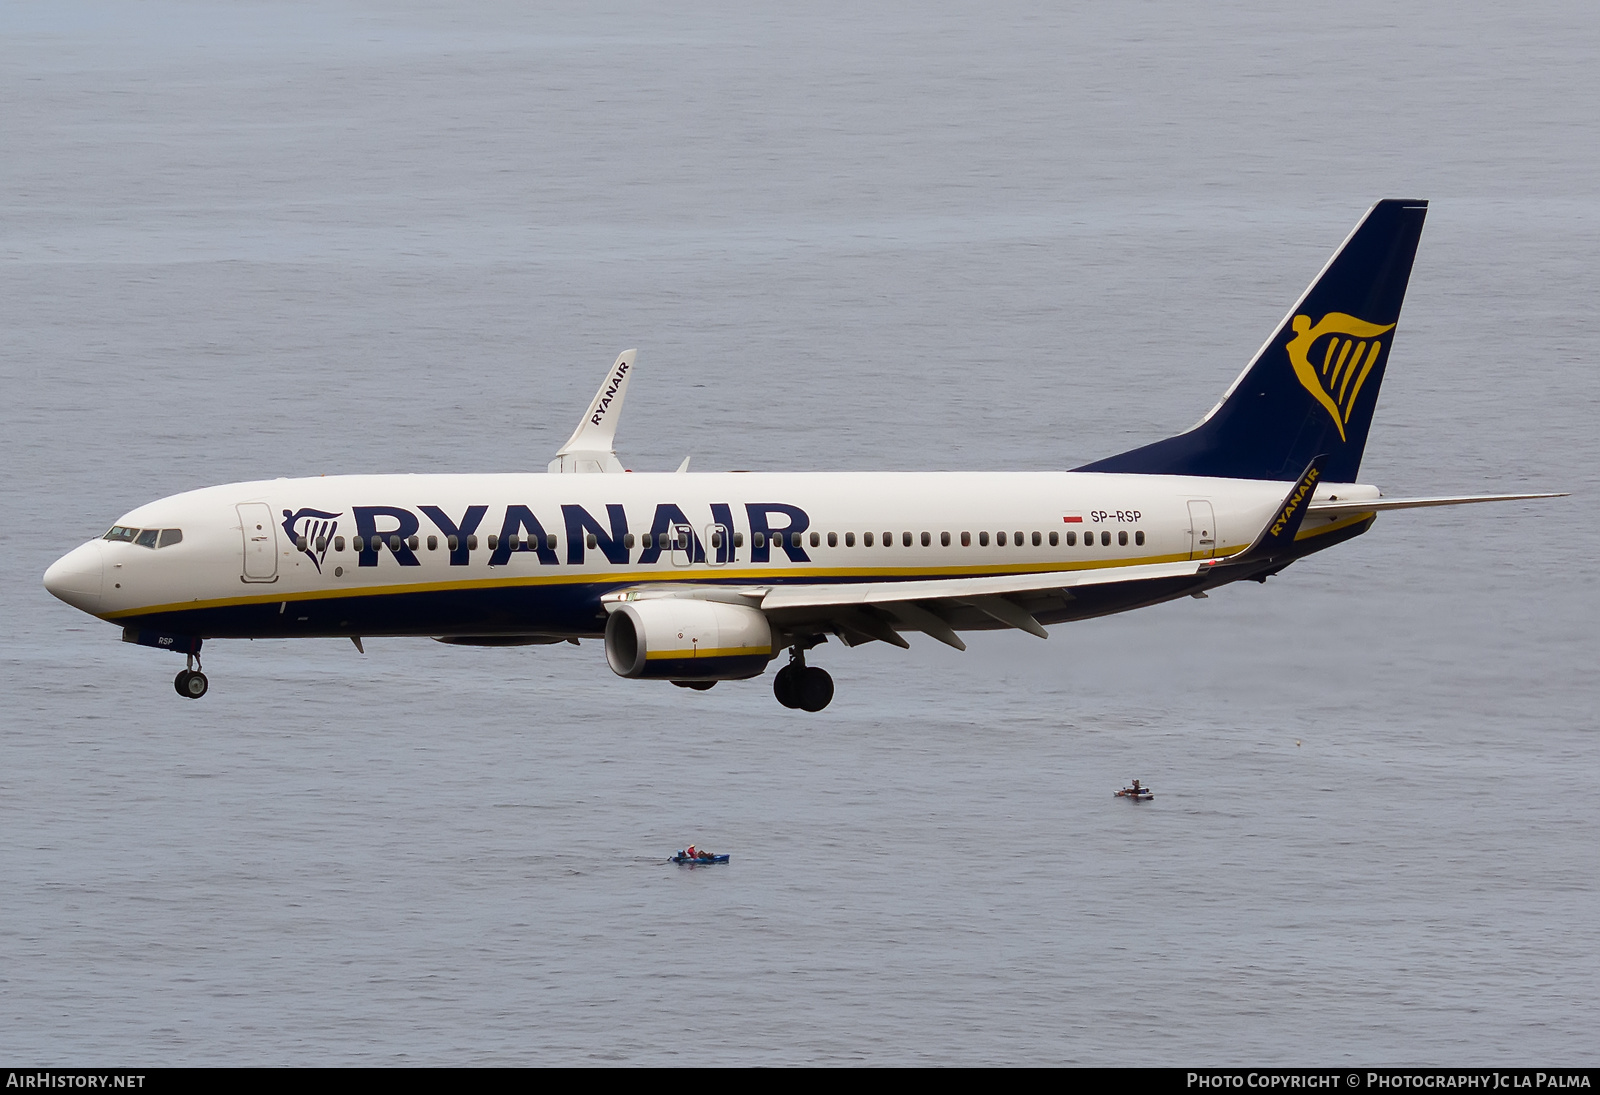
[[592, 446], [1279, 533]]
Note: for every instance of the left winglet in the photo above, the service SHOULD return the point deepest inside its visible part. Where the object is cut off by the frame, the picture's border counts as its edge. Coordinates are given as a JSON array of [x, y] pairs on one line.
[[592, 446]]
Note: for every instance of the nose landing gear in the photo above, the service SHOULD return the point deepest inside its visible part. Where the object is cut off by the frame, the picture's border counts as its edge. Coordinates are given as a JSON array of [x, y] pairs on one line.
[[799, 686], [190, 683]]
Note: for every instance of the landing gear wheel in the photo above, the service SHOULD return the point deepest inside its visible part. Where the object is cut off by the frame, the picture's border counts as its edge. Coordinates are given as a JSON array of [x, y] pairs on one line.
[[786, 688], [191, 684], [816, 689]]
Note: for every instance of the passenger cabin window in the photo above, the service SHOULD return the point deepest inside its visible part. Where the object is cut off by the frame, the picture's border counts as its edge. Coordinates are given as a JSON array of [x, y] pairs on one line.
[[1018, 540], [433, 543], [357, 544], [927, 539], [816, 539], [888, 539], [850, 539], [412, 543], [905, 539], [866, 539], [472, 541], [1122, 539], [833, 539], [760, 539], [944, 539], [122, 532], [983, 539], [1072, 539], [338, 543], [738, 539], [1055, 538], [1000, 539], [322, 543], [1138, 538], [301, 543], [1036, 539], [966, 539], [1105, 539], [590, 541]]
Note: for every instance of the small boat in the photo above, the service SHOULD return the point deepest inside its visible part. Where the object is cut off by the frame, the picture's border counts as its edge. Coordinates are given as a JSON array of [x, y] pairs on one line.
[[702, 858], [1136, 792]]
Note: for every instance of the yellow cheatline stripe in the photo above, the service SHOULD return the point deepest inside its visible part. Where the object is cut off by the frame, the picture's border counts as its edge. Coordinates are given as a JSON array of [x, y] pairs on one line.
[[717, 652], [698, 574]]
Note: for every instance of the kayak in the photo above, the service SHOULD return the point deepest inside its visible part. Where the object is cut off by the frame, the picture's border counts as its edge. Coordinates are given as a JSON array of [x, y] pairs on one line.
[[699, 859]]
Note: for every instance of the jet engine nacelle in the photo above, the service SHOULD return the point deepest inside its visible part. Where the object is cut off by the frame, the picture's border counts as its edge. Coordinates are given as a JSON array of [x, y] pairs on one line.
[[680, 639]]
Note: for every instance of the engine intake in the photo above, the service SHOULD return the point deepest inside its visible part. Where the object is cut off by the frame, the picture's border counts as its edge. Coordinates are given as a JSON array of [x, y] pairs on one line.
[[680, 639]]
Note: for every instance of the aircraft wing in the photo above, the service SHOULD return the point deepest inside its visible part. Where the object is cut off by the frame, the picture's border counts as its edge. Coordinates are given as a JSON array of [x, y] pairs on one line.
[[1375, 505], [861, 611]]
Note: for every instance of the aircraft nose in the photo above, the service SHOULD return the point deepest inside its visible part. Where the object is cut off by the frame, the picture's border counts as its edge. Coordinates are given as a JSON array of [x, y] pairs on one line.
[[78, 577]]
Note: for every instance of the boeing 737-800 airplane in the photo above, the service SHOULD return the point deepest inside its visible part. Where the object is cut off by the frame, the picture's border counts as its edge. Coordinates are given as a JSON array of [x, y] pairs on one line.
[[700, 578]]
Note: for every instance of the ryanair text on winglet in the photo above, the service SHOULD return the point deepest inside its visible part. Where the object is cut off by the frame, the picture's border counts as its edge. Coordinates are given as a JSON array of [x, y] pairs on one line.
[[609, 394], [1307, 484]]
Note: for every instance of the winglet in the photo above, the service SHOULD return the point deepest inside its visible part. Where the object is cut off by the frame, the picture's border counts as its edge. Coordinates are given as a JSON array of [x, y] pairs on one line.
[[592, 446], [1280, 532]]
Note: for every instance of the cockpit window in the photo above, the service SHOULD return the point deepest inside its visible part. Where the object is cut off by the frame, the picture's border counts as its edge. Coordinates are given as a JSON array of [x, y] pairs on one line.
[[170, 536], [121, 532], [148, 537]]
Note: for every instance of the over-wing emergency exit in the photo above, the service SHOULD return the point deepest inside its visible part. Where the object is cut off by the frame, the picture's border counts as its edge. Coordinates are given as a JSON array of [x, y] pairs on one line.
[[700, 578]]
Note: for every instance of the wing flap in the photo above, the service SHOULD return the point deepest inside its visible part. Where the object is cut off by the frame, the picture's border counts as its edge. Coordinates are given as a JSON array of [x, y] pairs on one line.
[[939, 589]]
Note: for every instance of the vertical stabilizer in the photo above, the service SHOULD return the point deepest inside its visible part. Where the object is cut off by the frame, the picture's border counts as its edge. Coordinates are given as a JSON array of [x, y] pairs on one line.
[[1312, 388]]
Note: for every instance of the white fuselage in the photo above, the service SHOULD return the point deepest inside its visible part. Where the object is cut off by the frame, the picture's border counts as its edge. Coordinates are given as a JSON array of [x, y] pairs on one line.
[[279, 557]]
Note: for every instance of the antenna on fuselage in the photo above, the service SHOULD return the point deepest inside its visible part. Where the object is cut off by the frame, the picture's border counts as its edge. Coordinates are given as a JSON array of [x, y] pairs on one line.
[[592, 446]]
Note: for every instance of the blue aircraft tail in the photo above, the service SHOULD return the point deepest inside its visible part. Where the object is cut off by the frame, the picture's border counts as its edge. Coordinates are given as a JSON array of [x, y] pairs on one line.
[[1312, 388]]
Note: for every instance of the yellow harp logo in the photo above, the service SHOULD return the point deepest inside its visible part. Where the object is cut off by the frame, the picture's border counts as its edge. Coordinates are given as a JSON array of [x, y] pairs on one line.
[[1348, 351]]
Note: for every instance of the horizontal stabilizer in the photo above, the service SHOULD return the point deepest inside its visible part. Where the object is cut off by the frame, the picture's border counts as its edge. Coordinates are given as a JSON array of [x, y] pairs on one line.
[[1376, 505]]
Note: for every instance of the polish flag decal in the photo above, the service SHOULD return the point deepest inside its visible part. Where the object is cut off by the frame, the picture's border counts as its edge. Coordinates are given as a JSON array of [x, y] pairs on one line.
[[1072, 519]]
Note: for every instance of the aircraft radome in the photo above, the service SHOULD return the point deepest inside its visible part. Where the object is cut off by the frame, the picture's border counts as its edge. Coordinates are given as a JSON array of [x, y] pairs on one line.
[[700, 578]]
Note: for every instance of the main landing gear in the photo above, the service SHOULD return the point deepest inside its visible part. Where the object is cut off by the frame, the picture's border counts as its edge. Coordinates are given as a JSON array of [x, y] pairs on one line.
[[190, 683], [796, 685]]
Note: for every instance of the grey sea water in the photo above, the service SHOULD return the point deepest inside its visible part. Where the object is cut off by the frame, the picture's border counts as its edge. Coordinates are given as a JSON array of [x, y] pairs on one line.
[[246, 240]]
